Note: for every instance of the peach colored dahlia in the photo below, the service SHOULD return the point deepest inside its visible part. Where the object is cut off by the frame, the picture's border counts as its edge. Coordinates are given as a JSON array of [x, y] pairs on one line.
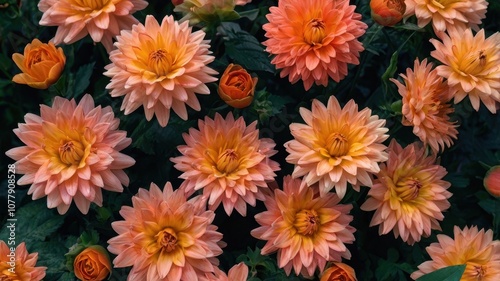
[[306, 230], [102, 19], [445, 14], [19, 265], [336, 146], [425, 105], [470, 65], [164, 236], [314, 40], [72, 152], [160, 67], [409, 195], [228, 161], [472, 247]]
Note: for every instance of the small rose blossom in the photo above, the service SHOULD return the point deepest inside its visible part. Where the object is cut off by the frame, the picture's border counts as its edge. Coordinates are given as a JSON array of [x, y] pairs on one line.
[[92, 264], [338, 271], [237, 87], [387, 12], [492, 181]]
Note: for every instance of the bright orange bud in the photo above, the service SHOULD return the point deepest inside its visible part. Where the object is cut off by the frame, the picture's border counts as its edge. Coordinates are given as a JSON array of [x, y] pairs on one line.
[[339, 271], [237, 87], [387, 12], [92, 264], [41, 64], [492, 181]]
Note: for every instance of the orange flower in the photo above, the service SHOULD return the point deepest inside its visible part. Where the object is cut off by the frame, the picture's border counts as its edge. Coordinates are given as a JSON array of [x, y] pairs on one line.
[[228, 161], [336, 146], [492, 181], [160, 67], [409, 194], [314, 40], [425, 105], [238, 272], [166, 237], [474, 248], [102, 19], [306, 230], [72, 152], [446, 14], [92, 264], [42, 64], [17, 264], [339, 272], [387, 12], [237, 87], [470, 65]]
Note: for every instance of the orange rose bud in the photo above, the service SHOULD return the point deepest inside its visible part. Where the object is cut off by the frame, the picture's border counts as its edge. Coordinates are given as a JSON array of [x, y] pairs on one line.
[[92, 264], [41, 64], [237, 87], [387, 12], [492, 181], [339, 271]]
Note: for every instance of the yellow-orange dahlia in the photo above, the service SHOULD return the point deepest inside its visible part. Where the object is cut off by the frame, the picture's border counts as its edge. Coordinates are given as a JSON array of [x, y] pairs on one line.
[[306, 230], [314, 40], [409, 195], [72, 152], [165, 236], [18, 265], [472, 247], [425, 105], [336, 146], [160, 67], [228, 161], [102, 19], [446, 14], [470, 65]]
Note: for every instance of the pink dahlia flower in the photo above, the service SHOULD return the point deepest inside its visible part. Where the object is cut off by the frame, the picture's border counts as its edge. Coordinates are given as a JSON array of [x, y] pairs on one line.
[[19, 265]]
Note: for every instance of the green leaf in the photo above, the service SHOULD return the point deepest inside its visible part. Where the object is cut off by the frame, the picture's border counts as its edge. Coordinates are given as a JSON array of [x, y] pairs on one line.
[[393, 66], [450, 273], [82, 78], [250, 14]]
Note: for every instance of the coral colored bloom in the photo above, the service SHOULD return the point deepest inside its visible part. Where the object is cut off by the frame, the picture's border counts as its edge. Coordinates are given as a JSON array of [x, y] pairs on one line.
[[387, 12], [492, 181], [238, 272], [23, 263], [164, 236], [237, 87], [228, 161], [306, 230], [314, 40], [41, 65], [339, 272], [102, 19], [425, 105], [470, 65], [446, 14], [72, 152], [160, 67], [336, 146], [474, 248], [92, 264], [409, 195]]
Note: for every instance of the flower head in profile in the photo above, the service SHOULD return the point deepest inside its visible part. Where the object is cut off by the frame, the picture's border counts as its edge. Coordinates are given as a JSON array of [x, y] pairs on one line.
[[228, 161], [238, 272], [446, 14], [41, 64], [160, 67], [102, 19], [387, 12], [425, 105], [337, 146], [164, 236], [491, 181], [19, 265], [306, 230], [470, 246], [339, 271], [314, 40], [72, 152], [409, 195]]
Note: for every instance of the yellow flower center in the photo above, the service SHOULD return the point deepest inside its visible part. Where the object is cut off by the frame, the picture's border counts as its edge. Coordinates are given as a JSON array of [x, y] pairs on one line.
[[473, 63], [314, 32], [441, 4], [92, 4], [167, 239], [337, 145], [479, 272], [160, 62], [408, 189], [71, 152], [6, 275], [307, 222], [227, 161]]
